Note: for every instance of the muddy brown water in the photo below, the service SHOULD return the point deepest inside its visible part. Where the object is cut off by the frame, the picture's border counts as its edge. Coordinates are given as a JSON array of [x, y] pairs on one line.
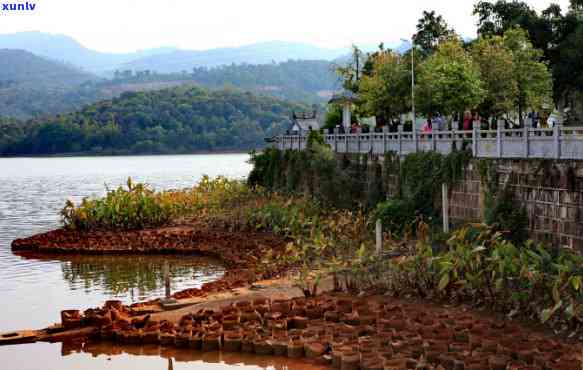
[[89, 356], [34, 289]]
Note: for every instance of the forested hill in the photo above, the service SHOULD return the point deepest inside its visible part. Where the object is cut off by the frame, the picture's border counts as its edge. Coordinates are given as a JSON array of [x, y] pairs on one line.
[[21, 66], [310, 81], [177, 120], [31, 85]]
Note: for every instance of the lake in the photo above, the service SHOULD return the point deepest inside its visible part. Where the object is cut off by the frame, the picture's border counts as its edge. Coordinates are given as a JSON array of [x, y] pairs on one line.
[[35, 289]]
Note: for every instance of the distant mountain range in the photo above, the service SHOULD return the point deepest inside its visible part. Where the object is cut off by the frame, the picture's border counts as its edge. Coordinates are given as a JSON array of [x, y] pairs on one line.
[[167, 59], [44, 74], [21, 67], [67, 50], [262, 53], [31, 85]]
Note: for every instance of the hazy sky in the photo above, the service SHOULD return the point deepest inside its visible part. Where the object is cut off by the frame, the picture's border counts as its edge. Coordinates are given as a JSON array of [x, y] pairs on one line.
[[127, 25]]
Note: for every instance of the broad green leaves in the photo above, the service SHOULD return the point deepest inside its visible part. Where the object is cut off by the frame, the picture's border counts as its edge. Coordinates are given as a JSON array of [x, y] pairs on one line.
[[449, 80]]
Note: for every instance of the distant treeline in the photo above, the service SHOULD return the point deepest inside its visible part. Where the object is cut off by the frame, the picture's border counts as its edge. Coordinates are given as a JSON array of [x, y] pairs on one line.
[[31, 86], [177, 120], [300, 80]]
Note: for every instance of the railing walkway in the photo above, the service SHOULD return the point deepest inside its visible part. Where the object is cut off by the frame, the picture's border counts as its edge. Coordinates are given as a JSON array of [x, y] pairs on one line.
[[556, 143]]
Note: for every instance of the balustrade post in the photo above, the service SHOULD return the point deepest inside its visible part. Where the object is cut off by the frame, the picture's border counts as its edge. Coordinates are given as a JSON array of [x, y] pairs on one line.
[[336, 130], [556, 138], [526, 140], [385, 132], [346, 150], [400, 138], [415, 138], [475, 141], [498, 142], [358, 133]]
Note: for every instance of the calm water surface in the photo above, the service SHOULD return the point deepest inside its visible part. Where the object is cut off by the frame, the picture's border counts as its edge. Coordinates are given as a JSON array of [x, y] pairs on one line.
[[34, 290]]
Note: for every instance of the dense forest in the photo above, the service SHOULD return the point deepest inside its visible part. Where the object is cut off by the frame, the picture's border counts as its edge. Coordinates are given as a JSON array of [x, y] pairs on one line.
[[310, 81], [31, 86], [177, 120]]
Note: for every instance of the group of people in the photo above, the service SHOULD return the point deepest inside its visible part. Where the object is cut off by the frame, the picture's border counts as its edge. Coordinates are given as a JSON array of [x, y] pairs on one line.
[[459, 122], [469, 120]]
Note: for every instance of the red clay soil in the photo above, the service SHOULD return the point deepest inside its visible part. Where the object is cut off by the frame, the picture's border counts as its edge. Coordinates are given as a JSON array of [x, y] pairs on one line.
[[235, 249], [348, 333], [238, 251]]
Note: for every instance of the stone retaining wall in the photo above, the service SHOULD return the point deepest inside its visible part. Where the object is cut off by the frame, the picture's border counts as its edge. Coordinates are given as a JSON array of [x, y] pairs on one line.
[[551, 191]]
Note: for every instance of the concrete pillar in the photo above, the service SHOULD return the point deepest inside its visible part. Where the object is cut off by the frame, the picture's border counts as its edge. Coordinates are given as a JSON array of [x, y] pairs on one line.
[[557, 141], [346, 116], [498, 142], [379, 237], [445, 207], [167, 279]]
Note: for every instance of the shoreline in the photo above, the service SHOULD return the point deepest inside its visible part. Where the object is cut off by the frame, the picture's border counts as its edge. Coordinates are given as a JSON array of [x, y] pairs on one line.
[[114, 154], [245, 312], [239, 248]]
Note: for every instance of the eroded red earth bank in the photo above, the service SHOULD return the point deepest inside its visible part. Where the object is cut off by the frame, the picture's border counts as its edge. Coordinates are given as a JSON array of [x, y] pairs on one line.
[[341, 331]]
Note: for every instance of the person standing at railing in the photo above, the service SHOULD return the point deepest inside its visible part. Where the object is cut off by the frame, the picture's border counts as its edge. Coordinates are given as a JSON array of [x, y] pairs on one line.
[[467, 122], [427, 126], [457, 123], [439, 122]]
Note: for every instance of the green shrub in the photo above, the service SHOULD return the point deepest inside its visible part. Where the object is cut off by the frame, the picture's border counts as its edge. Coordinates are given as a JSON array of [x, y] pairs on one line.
[[396, 215], [139, 207]]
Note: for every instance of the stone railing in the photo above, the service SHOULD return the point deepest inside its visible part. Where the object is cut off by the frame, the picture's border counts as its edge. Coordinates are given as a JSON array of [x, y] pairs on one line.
[[556, 143]]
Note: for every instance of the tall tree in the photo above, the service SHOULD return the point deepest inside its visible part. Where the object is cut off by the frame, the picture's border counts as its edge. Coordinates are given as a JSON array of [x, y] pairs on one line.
[[532, 75], [449, 80], [385, 92], [431, 29], [496, 64], [495, 18], [352, 72]]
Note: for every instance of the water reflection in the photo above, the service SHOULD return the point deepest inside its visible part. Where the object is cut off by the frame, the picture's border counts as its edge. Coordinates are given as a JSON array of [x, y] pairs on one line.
[[98, 356], [33, 191], [176, 356], [133, 278]]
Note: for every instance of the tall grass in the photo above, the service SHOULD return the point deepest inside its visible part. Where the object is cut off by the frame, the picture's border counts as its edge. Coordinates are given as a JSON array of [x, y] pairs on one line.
[[137, 206]]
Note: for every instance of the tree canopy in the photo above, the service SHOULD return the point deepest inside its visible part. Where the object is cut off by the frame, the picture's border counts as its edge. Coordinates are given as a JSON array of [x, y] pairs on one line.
[[449, 80], [386, 89], [177, 120]]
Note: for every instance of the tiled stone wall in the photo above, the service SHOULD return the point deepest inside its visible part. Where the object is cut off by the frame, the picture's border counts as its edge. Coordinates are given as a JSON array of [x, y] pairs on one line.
[[465, 198], [551, 192]]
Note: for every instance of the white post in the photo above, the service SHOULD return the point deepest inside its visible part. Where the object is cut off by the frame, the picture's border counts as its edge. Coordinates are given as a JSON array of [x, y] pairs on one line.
[[499, 142], [379, 237], [557, 140], [346, 117], [525, 133], [167, 279], [400, 138], [475, 141], [445, 207]]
